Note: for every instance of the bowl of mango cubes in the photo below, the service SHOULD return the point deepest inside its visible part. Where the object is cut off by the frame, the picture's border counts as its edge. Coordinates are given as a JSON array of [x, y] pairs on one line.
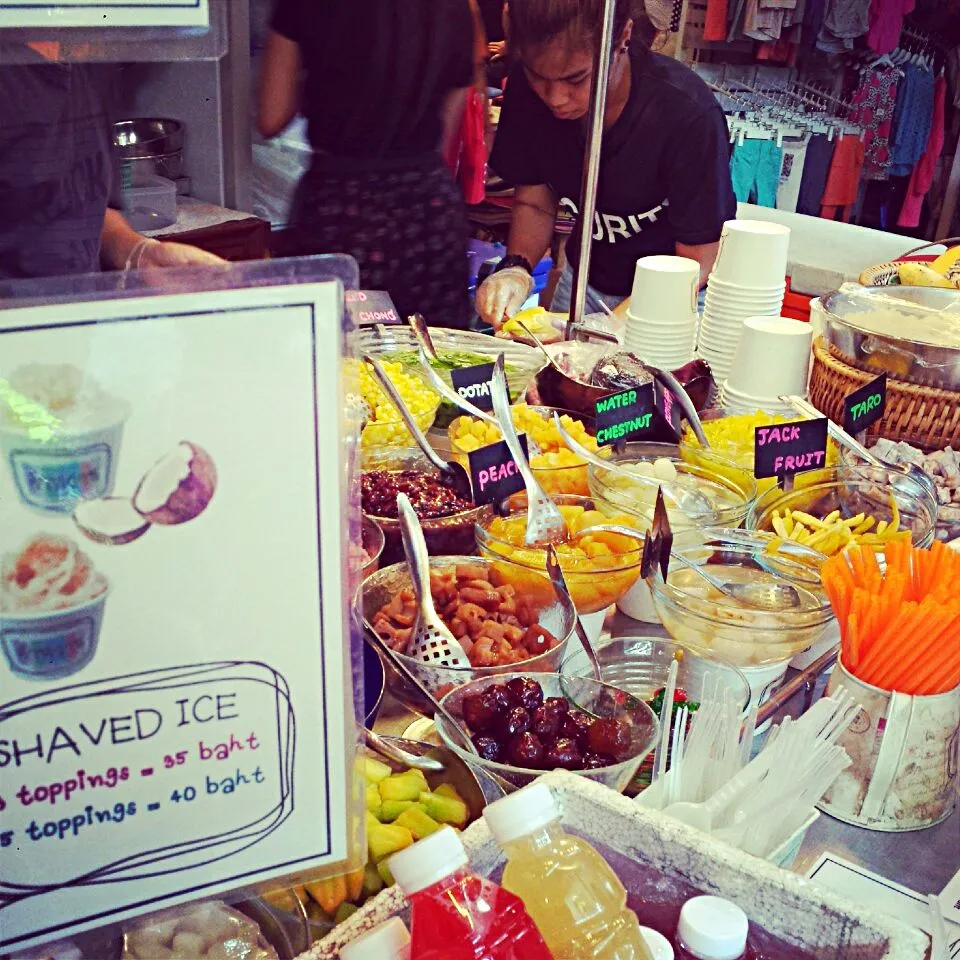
[[402, 806]]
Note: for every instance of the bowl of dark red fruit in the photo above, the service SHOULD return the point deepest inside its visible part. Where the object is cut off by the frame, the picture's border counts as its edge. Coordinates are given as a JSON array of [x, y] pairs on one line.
[[501, 629], [523, 725]]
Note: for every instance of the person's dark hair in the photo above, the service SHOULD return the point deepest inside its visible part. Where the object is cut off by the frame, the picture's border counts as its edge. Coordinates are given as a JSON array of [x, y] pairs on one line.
[[534, 23]]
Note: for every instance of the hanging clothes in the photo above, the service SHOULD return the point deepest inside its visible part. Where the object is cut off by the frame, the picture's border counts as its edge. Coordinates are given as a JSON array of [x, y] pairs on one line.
[[886, 23], [873, 106], [847, 19], [816, 166], [794, 152], [911, 120], [926, 166], [715, 24], [755, 170], [843, 181]]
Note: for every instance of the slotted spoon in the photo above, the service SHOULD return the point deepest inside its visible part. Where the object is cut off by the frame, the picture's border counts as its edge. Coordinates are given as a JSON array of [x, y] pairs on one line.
[[432, 642], [545, 523]]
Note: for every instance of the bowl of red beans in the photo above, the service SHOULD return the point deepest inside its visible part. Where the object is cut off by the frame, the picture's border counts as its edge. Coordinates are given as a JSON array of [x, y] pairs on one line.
[[500, 629], [522, 724], [446, 518]]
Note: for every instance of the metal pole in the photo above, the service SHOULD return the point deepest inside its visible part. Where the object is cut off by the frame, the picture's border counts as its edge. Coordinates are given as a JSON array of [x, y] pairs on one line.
[[591, 166]]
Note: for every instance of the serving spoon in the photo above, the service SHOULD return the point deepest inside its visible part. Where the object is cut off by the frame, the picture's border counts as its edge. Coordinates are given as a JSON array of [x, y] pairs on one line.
[[560, 587], [453, 472]]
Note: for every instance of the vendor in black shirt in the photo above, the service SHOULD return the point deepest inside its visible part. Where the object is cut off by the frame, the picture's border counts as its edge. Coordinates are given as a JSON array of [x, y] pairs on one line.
[[664, 184]]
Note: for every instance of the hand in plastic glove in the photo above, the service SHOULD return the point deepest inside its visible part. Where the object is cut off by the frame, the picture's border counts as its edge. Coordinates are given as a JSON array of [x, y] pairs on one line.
[[153, 253], [502, 294]]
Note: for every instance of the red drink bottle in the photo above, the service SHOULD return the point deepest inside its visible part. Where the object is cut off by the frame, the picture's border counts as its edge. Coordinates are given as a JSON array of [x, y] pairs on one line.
[[456, 915]]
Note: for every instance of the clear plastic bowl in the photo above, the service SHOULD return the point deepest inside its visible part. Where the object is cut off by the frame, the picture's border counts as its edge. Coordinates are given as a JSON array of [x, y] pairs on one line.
[[373, 543], [594, 584], [854, 490], [599, 699], [565, 479], [713, 476], [377, 590], [453, 534], [720, 627]]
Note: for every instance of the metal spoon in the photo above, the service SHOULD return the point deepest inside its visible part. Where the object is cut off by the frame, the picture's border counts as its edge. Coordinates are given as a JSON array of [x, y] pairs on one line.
[[545, 523], [559, 582], [763, 596], [432, 642], [691, 502], [392, 751], [418, 324], [451, 471]]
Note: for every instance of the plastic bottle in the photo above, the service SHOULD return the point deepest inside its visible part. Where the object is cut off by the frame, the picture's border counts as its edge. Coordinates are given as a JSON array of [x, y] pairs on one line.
[[456, 915], [571, 892], [711, 928], [389, 941], [660, 947]]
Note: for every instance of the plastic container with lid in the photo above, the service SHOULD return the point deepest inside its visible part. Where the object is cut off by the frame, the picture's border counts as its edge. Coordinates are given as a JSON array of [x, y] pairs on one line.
[[711, 928], [152, 205], [389, 941], [659, 946], [456, 915], [571, 892]]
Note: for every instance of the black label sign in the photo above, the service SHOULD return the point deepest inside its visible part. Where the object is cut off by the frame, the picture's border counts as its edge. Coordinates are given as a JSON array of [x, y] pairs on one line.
[[473, 384], [864, 407], [787, 448], [494, 473], [668, 408], [625, 414], [367, 307]]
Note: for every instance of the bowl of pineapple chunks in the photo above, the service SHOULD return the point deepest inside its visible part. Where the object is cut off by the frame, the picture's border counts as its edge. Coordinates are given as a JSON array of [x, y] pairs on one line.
[[401, 806]]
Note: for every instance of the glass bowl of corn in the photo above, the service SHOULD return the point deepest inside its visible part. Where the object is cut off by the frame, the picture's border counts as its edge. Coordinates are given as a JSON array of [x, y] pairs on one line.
[[384, 428]]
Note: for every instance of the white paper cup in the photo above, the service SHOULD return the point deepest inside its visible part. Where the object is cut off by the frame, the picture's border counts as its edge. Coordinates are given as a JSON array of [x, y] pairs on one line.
[[52, 476], [637, 603], [772, 358], [665, 286], [718, 285], [753, 253]]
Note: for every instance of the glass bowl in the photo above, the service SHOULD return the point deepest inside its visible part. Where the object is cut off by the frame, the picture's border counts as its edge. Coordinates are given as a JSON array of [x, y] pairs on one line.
[[373, 541], [555, 615], [398, 343], [583, 693], [389, 430], [697, 616], [854, 490], [731, 437], [569, 477], [595, 583], [453, 534], [713, 476]]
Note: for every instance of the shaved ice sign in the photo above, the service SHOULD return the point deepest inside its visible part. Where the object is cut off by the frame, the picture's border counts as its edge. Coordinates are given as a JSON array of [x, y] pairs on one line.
[[174, 716]]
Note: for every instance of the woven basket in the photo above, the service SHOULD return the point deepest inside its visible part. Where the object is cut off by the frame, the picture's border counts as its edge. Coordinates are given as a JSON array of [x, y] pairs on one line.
[[887, 274], [924, 416]]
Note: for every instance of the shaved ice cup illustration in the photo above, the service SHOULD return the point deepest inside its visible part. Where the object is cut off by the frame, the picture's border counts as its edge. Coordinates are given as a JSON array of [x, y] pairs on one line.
[[175, 490], [45, 636], [60, 437]]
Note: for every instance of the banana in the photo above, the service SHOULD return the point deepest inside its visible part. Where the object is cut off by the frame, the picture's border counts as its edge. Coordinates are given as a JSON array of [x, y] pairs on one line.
[[948, 264], [920, 275]]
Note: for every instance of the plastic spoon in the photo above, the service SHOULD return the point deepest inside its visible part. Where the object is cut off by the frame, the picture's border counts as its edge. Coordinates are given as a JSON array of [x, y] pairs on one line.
[[432, 642], [451, 471], [666, 725], [559, 582], [691, 502], [545, 523]]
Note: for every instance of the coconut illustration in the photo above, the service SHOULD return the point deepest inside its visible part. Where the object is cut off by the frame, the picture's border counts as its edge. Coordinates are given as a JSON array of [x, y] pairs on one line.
[[175, 490]]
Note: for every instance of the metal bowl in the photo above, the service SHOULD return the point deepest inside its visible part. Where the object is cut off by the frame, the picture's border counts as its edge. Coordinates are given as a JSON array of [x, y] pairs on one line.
[[557, 616], [147, 137], [907, 356]]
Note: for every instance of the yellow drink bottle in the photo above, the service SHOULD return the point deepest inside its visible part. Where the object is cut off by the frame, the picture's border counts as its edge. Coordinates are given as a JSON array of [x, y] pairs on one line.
[[569, 890]]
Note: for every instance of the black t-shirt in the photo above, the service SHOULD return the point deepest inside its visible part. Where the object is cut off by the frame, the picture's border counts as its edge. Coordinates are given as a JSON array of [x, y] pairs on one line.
[[664, 166], [492, 12], [377, 71]]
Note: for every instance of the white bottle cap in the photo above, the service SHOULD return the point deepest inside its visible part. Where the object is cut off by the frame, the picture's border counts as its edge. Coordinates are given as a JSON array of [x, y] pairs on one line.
[[389, 941], [521, 813], [429, 861], [712, 928], [659, 946]]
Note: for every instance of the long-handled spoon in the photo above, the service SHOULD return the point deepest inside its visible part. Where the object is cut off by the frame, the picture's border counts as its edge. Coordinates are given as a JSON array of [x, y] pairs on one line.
[[559, 582], [391, 751], [451, 471]]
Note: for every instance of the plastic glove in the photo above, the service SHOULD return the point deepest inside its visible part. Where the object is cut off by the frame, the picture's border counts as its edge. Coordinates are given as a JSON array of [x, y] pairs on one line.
[[153, 253], [502, 294]]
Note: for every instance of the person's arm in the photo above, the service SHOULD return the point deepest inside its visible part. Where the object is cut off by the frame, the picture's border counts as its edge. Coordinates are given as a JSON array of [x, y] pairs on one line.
[[532, 222], [704, 253], [279, 85], [122, 248]]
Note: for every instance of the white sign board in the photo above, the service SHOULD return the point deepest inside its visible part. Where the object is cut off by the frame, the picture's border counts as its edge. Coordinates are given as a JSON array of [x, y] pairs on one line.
[[174, 672], [104, 13]]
